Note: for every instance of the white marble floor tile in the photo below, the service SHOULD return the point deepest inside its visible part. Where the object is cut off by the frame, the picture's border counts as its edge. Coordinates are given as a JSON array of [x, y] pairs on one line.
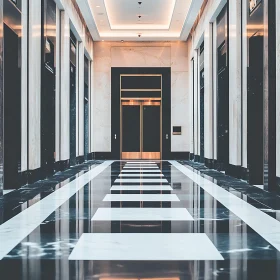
[[17, 228], [140, 175], [145, 247], [142, 214], [268, 228], [141, 188], [141, 197], [141, 171], [140, 162], [7, 191], [123, 180], [141, 167]]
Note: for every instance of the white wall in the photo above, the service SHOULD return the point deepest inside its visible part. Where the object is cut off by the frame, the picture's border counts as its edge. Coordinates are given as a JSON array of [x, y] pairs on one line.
[[31, 106], [205, 32], [235, 83], [34, 128], [140, 54]]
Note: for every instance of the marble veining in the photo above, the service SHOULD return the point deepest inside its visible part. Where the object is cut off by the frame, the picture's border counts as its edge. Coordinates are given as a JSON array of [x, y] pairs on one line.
[[141, 197], [146, 246], [142, 214]]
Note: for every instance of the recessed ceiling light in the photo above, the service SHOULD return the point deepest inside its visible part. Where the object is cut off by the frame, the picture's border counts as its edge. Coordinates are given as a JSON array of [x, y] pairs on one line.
[[97, 6], [122, 41]]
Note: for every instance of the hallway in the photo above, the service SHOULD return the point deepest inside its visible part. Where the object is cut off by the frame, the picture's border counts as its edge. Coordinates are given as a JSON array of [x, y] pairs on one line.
[[138, 220]]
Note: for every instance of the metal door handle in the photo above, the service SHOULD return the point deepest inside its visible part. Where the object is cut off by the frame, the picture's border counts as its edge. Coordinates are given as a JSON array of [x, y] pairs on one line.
[[166, 136], [115, 136]]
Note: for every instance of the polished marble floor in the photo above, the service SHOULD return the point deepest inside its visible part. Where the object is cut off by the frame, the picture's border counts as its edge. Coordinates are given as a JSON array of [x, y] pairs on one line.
[[138, 220]]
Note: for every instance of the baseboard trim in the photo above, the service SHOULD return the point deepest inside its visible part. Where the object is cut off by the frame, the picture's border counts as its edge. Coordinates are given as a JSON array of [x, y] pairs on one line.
[[196, 158], [103, 155], [62, 165], [210, 163], [179, 155], [80, 159], [237, 171]]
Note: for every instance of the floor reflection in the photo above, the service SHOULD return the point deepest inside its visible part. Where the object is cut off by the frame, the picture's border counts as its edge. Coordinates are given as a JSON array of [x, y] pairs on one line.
[[44, 253]]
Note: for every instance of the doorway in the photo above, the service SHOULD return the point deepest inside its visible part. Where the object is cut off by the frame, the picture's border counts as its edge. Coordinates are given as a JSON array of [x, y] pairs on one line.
[[48, 88], [140, 84], [201, 84], [12, 94], [222, 90], [73, 99], [86, 107], [255, 33], [141, 129]]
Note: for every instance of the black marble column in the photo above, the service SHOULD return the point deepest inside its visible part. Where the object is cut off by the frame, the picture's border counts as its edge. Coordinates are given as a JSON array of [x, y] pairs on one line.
[[1, 100], [269, 99]]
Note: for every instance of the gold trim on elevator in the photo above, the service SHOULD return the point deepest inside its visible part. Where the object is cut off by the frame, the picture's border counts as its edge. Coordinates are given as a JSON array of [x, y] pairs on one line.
[[140, 101]]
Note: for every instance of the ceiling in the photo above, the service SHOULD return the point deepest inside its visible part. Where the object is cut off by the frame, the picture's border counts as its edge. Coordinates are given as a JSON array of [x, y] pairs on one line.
[[136, 20]]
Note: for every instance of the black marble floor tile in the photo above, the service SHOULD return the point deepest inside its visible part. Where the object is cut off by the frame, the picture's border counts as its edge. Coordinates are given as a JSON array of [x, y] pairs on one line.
[[44, 253]]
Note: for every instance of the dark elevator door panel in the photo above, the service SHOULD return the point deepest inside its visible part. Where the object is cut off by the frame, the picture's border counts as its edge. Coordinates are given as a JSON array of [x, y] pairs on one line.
[[131, 129], [255, 110], [151, 128], [255, 33], [12, 109]]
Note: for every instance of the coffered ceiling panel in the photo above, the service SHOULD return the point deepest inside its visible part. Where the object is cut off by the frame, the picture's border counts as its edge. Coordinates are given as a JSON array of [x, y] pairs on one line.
[[134, 20]]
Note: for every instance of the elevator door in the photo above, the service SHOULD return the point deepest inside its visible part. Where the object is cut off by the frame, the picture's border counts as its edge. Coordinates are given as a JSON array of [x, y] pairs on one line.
[[222, 90], [255, 32], [12, 109], [141, 130]]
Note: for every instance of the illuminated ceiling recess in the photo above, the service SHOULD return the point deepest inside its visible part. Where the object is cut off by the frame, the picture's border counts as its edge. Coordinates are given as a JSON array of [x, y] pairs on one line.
[[136, 20]]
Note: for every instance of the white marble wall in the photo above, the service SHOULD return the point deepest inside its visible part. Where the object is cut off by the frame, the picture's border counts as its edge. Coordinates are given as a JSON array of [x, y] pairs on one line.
[[65, 88], [138, 54], [80, 99], [278, 89], [244, 85], [70, 19], [208, 93], [196, 105], [34, 84], [235, 83], [58, 86], [204, 31], [24, 88]]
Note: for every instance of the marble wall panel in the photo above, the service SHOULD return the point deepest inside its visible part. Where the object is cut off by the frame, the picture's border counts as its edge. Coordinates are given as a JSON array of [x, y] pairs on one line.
[[196, 107], [65, 87], [208, 93], [179, 107], [191, 100], [179, 56], [91, 109], [102, 112], [34, 84], [235, 84], [58, 87], [81, 100], [244, 85], [141, 56], [24, 88], [138, 54]]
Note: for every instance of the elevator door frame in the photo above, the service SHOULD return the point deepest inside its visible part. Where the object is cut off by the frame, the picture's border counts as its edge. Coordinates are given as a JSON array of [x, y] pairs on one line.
[[140, 102]]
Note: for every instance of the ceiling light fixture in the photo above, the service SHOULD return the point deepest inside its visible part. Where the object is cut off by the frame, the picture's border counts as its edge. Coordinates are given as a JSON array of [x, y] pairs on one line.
[[97, 6], [139, 17], [122, 41]]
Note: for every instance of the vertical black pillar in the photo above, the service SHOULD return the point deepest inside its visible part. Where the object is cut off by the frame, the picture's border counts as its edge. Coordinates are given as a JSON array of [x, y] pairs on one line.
[[269, 98], [1, 99]]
